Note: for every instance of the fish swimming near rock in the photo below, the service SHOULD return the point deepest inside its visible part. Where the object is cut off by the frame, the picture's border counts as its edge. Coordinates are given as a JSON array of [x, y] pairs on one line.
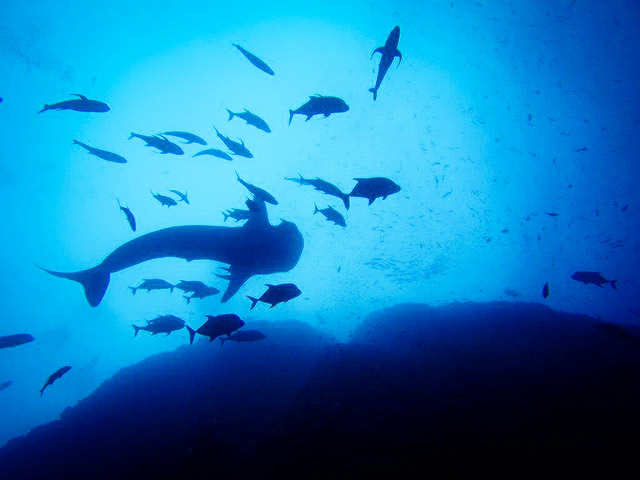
[[331, 214], [164, 200], [243, 336], [150, 284], [238, 214], [187, 137], [80, 104], [388, 53], [182, 196], [9, 341], [324, 187], [201, 293], [256, 248], [103, 154], [215, 326], [375, 187], [259, 194], [162, 324], [320, 105], [276, 294], [5, 385], [594, 278], [235, 147], [251, 119], [255, 61], [159, 142], [214, 152], [127, 213], [55, 376], [545, 290]]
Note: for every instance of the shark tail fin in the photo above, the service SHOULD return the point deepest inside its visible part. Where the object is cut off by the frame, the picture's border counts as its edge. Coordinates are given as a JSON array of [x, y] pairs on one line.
[[290, 116], [137, 329], [94, 280], [345, 200], [613, 284], [133, 290], [375, 93], [231, 114], [192, 334], [254, 301]]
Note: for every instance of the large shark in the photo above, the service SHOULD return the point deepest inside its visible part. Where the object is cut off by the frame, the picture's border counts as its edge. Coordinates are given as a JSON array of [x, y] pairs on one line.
[[256, 248]]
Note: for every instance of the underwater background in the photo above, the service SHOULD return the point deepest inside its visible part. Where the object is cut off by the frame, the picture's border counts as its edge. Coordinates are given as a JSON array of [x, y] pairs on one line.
[[510, 126]]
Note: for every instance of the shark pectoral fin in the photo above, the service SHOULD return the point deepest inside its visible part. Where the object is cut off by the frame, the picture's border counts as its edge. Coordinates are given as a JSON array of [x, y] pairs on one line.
[[399, 55], [379, 50], [235, 282]]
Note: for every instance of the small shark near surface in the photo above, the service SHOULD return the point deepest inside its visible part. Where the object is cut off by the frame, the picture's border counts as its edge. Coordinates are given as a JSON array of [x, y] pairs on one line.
[[80, 104], [256, 248], [389, 52]]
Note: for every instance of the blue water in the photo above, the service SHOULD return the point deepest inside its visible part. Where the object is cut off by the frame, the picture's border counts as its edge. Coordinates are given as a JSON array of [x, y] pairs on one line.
[[498, 113]]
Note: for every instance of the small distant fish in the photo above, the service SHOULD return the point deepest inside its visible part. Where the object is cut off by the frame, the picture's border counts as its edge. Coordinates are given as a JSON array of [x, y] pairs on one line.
[[324, 187], [251, 119], [243, 336], [511, 293], [149, 284], [594, 278], [159, 142], [625, 208], [389, 52], [235, 147], [237, 214], [8, 383], [276, 294], [217, 325], [187, 137], [80, 104], [54, 376], [332, 215], [255, 61], [319, 105], [103, 154], [201, 293], [551, 214], [162, 324], [127, 213], [545, 290], [214, 152], [375, 187], [9, 341], [583, 149], [182, 196], [258, 192], [164, 200]]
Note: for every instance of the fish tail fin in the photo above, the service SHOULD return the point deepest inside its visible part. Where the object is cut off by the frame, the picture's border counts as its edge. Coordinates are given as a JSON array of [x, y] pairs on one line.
[[136, 329], [76, 142], [375, 93], [45, 108], [225, 215], [131, 135], [254, 301], [94, 280], [231, 114], [316, 210], [345, 200], [290, 116], [613, 284], [133, 290], [192, 334]]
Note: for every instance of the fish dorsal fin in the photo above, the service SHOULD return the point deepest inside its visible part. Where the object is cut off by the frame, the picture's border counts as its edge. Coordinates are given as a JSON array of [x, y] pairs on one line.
[[82, 97], [359, 179], [270, 285]]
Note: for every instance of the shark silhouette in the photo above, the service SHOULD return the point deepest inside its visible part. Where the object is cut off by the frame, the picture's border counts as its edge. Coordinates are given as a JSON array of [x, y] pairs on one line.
[[256, 248]]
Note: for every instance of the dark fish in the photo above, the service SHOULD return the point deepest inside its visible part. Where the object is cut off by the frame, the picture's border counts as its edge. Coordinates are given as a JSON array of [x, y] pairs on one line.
[[183, 196], [162, 324], [215, 152], [7, 384], [251, 119], [255, 61], [217, 325], [551, 214], [331, 215], [259, 193], [159, 142], [324, 187], [276, 294], [243, 336], [320, 105], [615, 331], [54, 376], [389, 52], [511, 293], [235, 147], [187, 137], [202, 293], [149, 284], [81, 104], [130, 218], [103, 154], [583, 149], [9, 341], [545, 290], [190, 285], [595, 278], [164, 200], [372, 188], [237, 214]]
